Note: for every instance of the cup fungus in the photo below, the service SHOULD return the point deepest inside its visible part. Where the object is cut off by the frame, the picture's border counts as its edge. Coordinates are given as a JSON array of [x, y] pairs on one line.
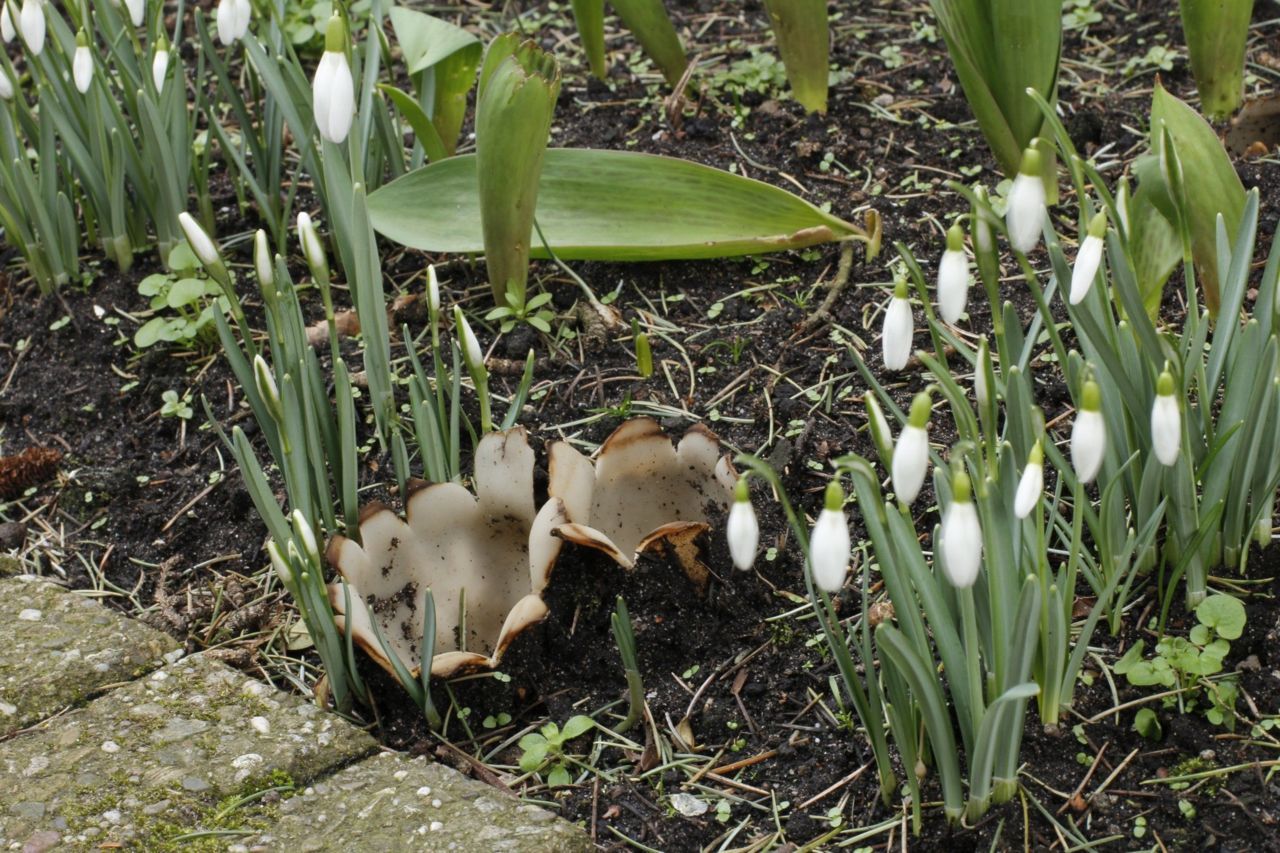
[[643, 494], [486, 559]]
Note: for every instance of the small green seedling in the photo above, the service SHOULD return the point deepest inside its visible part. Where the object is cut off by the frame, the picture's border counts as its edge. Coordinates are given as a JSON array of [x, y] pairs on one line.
[[1182, 664], [175, 406], [532, 312], [1147, 724], [181, 290], [546, 747]]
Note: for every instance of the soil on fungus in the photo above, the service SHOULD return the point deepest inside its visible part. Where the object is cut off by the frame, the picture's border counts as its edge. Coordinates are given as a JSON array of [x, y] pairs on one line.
[[151, 511]]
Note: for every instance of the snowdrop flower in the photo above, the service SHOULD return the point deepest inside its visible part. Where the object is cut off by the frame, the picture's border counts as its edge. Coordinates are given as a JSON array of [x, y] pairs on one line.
[[333, 89], [829, 544], [137, 9], [981, 392], [470, 346], [961, 535], [1025, 210], [6, 85], [433, 290], [303, 533], [200, 241], [1088, 259], [233, 20], [1031, 486], [82, 64], [31, 22], [279, 563], [312, 247], [262, 262], [911, 455], [265, 382], [160, 63], [1166, 421], [898, 329], [743, 530], [881, 435], [7, 30], [1088, 434], [953, 277]]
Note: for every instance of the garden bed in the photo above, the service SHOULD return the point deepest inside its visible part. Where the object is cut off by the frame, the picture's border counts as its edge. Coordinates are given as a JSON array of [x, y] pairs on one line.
[[149, 508]]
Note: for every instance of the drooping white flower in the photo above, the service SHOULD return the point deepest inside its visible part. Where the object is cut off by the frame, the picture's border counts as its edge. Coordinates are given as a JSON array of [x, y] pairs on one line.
[[898, 330], [333, 88], [303, 533], [829, 544], [470, 345], [6, 85], [961, 535], [433, 290], [742, 529], [1088, 259], [82, 64], [160, 63], [1166, 421], [265, 381], [199, 240], [262, 262], [881, 435], [1031, 485], [984, 240], [312, 247], [7, 30], [1025, 211], [953, 277], [32, 24], [137, 10], [911, 454], [232, 19], [280, 563], [1088, 434]]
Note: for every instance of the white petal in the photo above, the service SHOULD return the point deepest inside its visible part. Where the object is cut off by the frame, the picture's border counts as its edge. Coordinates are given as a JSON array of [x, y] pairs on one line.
[[7, 31], [137, 8], [6, 85], [226, 20], [200, 242], [961, 544], [897, 335], [342, 105], [82, 69], [1025, 212], [244, 15], [953, 285], [743, 532], [1088, 259], [829, 548], [322, 90], [1166, 429], [1030, 490], [31, 19], [910, 463], [159, 67], [1088, 445]]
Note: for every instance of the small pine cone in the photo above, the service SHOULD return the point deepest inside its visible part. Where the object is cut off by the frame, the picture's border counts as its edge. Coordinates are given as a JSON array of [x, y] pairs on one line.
[[28, 468]]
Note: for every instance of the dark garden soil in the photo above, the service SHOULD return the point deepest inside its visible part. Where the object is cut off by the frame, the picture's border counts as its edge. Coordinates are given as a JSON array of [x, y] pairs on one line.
[[150, 510]]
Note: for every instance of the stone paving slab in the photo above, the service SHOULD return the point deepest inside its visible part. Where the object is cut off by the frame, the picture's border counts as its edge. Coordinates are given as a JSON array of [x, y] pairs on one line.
[[393, 802], [57, 648], [154, 758]]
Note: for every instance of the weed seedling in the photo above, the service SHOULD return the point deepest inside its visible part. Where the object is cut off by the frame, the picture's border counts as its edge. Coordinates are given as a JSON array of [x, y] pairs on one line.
[[546, 748]]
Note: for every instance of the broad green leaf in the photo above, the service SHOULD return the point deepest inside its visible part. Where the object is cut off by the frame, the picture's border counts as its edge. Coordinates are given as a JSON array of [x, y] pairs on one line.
[[575, 727], [1216, 32], [611, 205], [185, 291], [1153, 246], [649, 21], [418, 119], [1147, 724], [1211, 186], [1224, 614]]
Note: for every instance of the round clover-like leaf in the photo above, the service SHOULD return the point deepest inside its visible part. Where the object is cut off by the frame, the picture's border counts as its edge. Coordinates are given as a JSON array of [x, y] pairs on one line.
[[1224, 614]]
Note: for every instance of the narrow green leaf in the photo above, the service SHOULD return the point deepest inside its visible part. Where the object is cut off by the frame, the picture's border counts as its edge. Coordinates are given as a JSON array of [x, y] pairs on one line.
[[653, 28], [419, 121], [589, 16]]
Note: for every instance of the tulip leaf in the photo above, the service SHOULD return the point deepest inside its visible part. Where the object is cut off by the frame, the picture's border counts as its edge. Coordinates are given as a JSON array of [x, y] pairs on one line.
[[1216, 32], [442, 60], [418, 119], [1211, 185], [803, 35], [611, 205], [652, 26], [589, 17]]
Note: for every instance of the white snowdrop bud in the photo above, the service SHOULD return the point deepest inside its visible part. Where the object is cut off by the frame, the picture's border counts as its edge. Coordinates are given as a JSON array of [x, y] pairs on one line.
[[333, 88], [82, 64], [1088, 259], [1088, 434], [829, 544], [1025, 211], [911, 454], [953, 277], [961, 535], [898, 330], [743, 530], [1031, 485], [1166, 421]]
